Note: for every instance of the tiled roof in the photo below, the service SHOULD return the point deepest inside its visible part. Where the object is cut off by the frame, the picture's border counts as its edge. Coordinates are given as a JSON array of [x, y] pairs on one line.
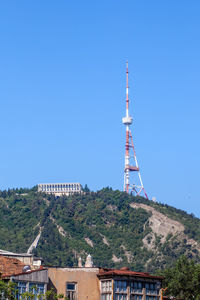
[[10, 266], [126, 272]]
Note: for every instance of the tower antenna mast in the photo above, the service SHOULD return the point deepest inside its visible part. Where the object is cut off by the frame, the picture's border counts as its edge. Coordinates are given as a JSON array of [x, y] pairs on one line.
[[131, 163]]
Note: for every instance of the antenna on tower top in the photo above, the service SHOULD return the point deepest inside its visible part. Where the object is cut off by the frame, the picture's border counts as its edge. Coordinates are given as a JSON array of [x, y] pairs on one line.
[[127, 87], [131, 163]]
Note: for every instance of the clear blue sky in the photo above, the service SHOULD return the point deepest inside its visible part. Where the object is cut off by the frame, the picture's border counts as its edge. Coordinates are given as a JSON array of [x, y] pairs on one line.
[[62, 94]]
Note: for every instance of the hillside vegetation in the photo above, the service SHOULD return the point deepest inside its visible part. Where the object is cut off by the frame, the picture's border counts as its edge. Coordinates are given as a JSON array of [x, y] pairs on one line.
[[115, 228]]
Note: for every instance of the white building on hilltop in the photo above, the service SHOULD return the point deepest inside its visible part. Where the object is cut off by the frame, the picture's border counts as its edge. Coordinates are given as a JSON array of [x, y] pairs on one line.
[[59, 189]]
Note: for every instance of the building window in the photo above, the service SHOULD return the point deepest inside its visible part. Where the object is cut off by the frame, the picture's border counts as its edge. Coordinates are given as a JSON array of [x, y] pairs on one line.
[[40, 288], [106, 296], [37, 290], [151, 289], [136, 297], [120, 287], [71, 290], [152, 298], [21, 288], [136, 287], [136, 290], [106, 290]]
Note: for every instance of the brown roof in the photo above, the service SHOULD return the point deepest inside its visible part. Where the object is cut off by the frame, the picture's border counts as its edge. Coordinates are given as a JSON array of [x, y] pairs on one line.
[[126, 272], [10, 266]]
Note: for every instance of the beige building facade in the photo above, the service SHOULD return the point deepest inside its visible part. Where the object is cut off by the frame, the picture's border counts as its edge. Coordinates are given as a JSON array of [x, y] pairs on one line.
[[75, 283]]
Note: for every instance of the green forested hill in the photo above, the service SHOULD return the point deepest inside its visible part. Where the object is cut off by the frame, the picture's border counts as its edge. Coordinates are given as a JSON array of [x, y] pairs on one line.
[[115, 228]]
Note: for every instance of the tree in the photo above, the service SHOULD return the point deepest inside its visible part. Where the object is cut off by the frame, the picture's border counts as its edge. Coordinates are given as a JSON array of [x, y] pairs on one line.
[[7, 290], [183, 280], [86, 189]]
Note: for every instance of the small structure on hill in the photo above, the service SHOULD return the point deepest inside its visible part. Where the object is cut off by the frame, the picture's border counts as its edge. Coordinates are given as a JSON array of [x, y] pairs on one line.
[[59, 189]]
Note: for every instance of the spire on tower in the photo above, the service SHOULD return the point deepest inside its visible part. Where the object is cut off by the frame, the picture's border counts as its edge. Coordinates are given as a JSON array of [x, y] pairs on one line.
[[131, 163], [127, 87]]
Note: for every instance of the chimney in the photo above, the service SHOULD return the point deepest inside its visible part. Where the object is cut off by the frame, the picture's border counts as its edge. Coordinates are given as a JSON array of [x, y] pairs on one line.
[[80, 262]]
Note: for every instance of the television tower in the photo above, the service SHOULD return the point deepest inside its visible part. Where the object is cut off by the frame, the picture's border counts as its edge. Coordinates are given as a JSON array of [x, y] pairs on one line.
[[131, 164]]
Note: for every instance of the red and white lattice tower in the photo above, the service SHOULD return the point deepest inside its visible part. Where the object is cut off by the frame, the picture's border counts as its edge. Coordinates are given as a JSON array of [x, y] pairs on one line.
[[131, 164]]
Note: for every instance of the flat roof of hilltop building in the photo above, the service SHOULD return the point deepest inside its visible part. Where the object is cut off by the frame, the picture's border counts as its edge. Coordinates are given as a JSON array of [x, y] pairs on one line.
[[59, 189]]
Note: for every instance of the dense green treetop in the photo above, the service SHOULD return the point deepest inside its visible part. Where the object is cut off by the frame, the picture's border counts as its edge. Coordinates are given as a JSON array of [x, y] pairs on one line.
[[183, 279]]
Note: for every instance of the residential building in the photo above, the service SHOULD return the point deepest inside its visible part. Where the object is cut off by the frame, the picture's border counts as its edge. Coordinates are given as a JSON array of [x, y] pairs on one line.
[[105, 284], [25, 279], [75, 283], [124, 284], [32, 281], [81, 283], [26, 258]]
